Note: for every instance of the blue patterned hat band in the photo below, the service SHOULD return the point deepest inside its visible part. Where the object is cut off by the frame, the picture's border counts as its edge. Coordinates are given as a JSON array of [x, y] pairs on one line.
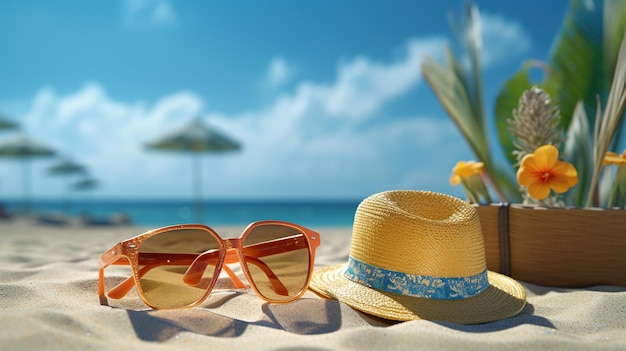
[[415, 285]]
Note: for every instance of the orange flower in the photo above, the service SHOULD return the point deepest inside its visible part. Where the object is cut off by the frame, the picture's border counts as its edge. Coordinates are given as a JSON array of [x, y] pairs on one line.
[[542, 171], [612, 158], [464, 170]]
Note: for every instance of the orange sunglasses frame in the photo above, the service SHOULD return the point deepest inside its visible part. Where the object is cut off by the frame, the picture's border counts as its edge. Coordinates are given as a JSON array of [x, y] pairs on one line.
[[230, 251]]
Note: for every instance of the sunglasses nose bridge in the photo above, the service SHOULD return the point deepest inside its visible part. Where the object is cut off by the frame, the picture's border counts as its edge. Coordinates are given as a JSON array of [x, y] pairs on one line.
[[234, 243]]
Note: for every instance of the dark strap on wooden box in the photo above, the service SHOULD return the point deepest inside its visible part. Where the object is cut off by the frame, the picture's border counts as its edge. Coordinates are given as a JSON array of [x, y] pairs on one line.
[[503, 236]]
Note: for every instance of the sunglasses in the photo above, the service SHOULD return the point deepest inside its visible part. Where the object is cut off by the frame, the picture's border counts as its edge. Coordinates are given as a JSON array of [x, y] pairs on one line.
[[177, 266]]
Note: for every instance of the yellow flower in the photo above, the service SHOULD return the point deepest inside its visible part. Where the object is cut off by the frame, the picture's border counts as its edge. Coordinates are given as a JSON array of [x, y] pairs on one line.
[[542, 171], [464, 170], [612, 158]]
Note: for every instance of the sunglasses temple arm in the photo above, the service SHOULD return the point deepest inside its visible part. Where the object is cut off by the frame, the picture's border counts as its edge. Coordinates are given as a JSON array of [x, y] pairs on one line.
[[121, 289], [193, 276], [125, 286], [277, 285], [111, 256], [195, 271], [274, 247], [233, 277], [252, 253]]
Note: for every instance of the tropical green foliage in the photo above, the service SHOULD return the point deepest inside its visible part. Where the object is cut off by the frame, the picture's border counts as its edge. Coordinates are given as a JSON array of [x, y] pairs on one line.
[[581, 68], [460, 92], [579, 76]]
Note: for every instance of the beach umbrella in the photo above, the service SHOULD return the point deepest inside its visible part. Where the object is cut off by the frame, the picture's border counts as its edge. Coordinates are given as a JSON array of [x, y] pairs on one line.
[[85, 184], [196, 138], [65, 167], [5, 123], [24, 148]]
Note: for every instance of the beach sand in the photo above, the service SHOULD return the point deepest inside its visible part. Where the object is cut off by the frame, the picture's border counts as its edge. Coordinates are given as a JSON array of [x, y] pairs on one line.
[[49, 301]]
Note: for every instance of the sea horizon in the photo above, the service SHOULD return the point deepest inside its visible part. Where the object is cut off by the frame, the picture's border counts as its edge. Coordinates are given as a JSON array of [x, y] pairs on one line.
[[214, 212]]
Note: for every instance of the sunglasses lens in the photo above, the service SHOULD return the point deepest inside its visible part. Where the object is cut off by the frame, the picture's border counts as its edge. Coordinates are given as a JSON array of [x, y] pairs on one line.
[[166, 279], [277, 258]]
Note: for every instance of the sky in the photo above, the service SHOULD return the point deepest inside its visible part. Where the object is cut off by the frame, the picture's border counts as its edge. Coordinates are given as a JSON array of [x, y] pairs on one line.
[[327, 98]]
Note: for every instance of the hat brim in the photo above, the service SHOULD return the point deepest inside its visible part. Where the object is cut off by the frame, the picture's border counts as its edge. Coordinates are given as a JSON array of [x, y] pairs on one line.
[[503, 299]]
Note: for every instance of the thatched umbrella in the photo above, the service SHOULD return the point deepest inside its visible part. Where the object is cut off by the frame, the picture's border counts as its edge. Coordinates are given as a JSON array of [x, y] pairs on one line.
[[65, 167], [196, 138], [21, 147], [5, 123]]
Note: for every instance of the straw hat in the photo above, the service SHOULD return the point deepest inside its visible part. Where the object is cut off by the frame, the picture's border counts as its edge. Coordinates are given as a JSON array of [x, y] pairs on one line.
[[419, 255]]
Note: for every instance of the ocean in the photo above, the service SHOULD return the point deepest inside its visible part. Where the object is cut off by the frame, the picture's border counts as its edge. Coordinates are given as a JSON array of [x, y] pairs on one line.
[[312, 214]]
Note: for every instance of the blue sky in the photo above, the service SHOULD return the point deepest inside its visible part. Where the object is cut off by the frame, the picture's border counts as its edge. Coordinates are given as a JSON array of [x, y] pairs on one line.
[[326, 97]]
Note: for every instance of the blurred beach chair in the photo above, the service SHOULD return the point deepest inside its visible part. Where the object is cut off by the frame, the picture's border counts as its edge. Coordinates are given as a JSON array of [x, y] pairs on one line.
[[116, 219], [4, 214], [52, 218]]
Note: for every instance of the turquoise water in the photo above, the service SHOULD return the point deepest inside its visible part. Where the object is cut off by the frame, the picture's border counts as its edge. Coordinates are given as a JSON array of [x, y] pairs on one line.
[[160, 213]]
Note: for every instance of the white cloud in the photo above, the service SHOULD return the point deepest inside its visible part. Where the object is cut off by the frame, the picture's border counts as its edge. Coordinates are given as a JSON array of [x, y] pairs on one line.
[[105, 134], [90, 100], [363, 86], [279, 73], [502, 39], [143, 13], [318, 140]]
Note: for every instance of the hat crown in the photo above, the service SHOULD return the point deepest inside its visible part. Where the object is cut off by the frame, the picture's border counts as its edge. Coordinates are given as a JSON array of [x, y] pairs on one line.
[[420, 233]]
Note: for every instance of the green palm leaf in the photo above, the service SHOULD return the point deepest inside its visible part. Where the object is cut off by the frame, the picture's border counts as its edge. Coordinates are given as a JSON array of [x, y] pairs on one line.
[[580, 69], [448, 82], [575, 72], [577, 67], [579, 152], [460, 93]]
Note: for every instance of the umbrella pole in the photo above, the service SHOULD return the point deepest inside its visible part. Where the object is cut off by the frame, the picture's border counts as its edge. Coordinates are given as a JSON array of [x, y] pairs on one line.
[[26, 186], [197, 185], [64, 196]]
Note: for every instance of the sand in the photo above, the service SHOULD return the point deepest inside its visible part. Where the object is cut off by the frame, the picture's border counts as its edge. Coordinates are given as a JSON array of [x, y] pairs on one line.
[[49, 301]]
